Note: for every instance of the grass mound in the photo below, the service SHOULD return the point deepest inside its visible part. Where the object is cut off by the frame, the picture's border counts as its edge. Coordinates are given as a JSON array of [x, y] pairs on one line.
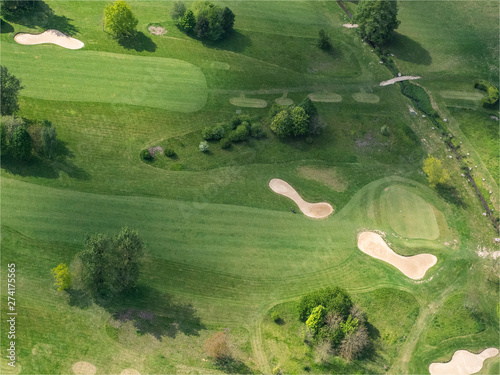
[[409, 215], [325, 97]]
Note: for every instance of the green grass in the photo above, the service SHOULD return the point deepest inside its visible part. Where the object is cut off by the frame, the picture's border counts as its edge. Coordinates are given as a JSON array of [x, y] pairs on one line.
[[162, 83], [222, 249], [409, 215]]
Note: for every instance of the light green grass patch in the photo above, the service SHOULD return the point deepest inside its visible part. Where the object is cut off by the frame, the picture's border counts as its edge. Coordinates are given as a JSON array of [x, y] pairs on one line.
[[364, 97], [327, 176], [91, 76], [248, 102], [218, 65], [325, 97], [463, 95], [409, 215]]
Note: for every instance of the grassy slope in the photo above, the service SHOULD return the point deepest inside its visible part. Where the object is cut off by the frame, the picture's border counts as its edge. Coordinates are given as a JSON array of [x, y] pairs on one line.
[[196, 242]]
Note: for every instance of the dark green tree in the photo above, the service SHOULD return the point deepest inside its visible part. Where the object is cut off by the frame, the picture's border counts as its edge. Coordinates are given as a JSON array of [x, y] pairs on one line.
[[300, 121], [20, 144], [9, 91], [119, 19], [16, 7], [227, 20], [202, 27], [178, 10], [308, 106], [49, 141], [324, 40], [188, 21], [376, 20], [128, 249]]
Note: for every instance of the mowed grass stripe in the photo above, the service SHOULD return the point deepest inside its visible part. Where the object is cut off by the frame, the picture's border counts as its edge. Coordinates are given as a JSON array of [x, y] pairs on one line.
[[90, 76]]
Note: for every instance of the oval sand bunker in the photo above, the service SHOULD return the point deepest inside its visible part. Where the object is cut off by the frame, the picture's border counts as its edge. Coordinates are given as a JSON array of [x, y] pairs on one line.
[[84, 368], [414, 267], [314, 210], [49, 36], [463, 362]]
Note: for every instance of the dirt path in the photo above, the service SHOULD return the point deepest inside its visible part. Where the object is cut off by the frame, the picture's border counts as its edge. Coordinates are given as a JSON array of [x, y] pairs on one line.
[[398, 79]]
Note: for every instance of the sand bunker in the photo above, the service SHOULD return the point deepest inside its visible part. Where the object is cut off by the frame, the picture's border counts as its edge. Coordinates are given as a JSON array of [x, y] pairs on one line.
[[130, 371], [325, 97], [350, 25], [314, 210], [397, 79], [463, 362], [84, 368], [49, 36], [414, 267]]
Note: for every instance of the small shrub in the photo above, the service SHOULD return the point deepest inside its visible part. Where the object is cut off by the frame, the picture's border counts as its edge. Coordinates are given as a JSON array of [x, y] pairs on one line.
[[217, 346], [145, 155], [309, 140], [203, 147], [225, 143], [316, 319], [275, 316], [257, 131], [385, 130], [169, 152], [247, 125], [235, 121], [492, 99], [240, 134], [324, 40]]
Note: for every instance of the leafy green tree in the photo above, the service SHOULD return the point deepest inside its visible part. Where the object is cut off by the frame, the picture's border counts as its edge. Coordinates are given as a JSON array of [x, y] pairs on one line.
[[333, 299], [178, 10], [436, 173], [300, 121], [62, 276], [240, 134], [20, 144], [315, 320], [227, 20], [282, 124], [16, 7], [349, 325], [324, 40], [376, 20], [49, 141], [188, 21], [110, 264], [119, 19], [202, 27], [9, 92], [308, 106]]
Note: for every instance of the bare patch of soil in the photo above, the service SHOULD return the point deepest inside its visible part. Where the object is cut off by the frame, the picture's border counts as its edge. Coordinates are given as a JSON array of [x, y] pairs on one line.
[[157, 30]]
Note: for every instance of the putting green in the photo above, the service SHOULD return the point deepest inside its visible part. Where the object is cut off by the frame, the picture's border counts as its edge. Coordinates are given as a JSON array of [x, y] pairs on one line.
[[409, 215], [91, 76]]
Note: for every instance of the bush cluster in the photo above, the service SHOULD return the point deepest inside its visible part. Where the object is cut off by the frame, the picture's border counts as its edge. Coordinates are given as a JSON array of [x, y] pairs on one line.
[[205, 19], [294, 120], [491, 100], [212, 133], [335, 324], [240, 134], [420, 97]]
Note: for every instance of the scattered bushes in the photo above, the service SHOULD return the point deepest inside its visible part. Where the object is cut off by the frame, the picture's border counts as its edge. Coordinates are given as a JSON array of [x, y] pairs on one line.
[[240, 134], [212, 133], [491, 100], [206, 20]]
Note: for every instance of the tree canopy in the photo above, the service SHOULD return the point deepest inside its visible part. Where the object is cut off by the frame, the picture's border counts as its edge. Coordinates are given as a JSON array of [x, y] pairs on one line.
[[290, 121], [119, 19], [9, 91], [110, 264], [208, 21], [20, 144], [376, 20], [62, 276], [436, 173]]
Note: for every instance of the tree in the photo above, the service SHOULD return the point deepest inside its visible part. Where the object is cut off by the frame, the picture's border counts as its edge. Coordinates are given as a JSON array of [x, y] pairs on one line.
[[300, 121], [20, 144], [118, 18], [49, 141], [355, 343], [217, 347], [3, 138], [308, 106], [202, 27], [349, 325], [227, 20], [316, 319], [188, 21], [62, 276], [324, 40], [282, 124], [436, 173], [178, 10], [16, 7], [9, 91], [376, 20], [333, 299], [110, 264]]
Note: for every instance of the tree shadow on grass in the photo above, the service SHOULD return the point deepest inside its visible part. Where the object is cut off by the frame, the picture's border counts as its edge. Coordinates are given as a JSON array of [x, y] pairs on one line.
[[451, 195], [78, 298], [5, 27], [233, 366], [138, 42], [41, 15], [37, 166], [154, 313], [407, 49], [235, 42]]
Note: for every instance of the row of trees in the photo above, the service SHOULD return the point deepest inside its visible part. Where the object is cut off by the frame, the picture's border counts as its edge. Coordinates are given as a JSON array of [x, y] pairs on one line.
[[335, 325], [205, 19]]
